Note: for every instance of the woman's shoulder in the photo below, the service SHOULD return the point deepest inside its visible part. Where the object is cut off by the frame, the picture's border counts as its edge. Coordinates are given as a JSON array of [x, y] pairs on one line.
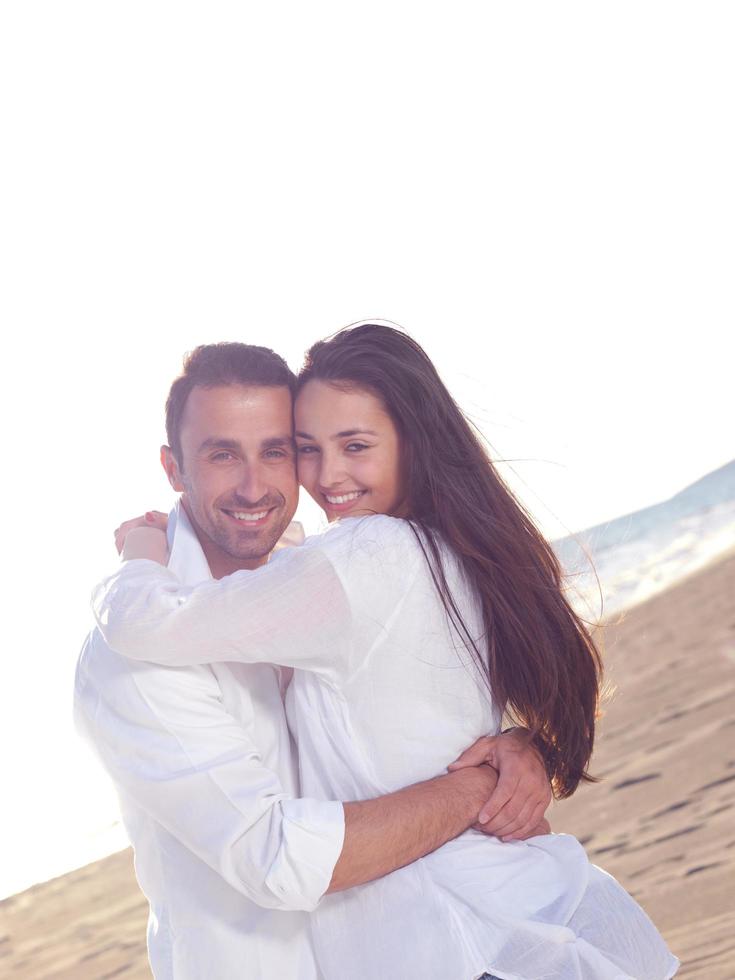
[[366, 528], [367, 538]]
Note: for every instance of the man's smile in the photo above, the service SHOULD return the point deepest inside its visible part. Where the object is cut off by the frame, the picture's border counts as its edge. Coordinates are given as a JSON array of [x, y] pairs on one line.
[[250, 518]]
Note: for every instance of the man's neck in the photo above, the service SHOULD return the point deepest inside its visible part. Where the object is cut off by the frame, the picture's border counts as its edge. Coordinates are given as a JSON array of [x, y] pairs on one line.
[[220, 562]]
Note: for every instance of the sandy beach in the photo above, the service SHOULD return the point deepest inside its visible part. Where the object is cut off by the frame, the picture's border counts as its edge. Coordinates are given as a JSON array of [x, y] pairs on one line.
[[661, 820]]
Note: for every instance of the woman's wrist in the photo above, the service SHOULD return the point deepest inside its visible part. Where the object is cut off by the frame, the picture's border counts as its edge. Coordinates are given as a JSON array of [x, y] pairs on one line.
[[146, 542]]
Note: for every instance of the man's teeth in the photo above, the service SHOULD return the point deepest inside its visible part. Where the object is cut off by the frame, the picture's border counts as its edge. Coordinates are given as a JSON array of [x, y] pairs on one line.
[[248, 517], [344, 497]]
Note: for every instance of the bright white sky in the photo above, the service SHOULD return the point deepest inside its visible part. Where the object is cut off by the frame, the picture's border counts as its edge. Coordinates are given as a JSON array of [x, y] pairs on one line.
[[541, 194]]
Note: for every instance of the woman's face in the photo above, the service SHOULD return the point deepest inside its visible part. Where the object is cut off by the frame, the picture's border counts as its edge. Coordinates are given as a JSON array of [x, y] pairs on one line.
[[348, 451]]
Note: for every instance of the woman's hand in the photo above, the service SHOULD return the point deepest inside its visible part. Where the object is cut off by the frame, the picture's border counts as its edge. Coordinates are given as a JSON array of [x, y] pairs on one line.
[[144, 537], [152, 518], [146, 542], [538, 831], [517, 806]]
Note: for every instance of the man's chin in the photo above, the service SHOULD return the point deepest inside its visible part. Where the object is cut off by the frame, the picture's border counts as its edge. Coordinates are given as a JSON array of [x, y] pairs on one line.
[[257, 542]]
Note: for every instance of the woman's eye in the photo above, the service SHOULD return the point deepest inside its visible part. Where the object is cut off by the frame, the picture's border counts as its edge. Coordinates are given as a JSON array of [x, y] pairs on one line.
[[306, 450], [356, 447]]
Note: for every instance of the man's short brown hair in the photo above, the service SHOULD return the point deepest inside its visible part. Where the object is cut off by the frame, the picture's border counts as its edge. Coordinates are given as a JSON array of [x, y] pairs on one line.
[[212, 365]]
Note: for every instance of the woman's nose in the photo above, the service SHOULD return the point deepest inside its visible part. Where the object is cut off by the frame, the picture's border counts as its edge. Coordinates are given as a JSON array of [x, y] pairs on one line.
[[331, 471]]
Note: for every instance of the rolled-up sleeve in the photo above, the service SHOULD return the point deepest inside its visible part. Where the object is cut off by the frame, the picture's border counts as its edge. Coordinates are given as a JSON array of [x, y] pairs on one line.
[[170, 746], [312, 834]]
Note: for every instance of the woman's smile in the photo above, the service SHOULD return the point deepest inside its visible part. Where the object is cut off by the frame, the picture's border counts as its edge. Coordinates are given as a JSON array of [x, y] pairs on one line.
[[339, 504]]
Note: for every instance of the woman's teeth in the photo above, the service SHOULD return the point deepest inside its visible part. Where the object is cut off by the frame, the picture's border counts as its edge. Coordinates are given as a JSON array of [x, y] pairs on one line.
[[248, 517], [343, 498]]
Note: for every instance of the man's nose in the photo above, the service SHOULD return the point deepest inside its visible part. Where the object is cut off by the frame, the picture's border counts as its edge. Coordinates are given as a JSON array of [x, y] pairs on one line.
[[252, 485]]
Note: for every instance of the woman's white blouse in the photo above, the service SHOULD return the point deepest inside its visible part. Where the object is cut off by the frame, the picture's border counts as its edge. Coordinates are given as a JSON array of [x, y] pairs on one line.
[[385, 695]]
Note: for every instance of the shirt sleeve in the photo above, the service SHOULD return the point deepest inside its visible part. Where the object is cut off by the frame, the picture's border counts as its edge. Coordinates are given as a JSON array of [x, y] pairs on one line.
[[170, 746], [297, 611]]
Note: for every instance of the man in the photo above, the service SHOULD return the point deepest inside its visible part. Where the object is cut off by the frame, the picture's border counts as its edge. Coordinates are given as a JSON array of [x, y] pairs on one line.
[[229, 857]]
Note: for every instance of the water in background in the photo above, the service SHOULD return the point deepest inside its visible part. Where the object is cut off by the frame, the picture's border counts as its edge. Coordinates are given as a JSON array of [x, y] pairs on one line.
[[618, 564]]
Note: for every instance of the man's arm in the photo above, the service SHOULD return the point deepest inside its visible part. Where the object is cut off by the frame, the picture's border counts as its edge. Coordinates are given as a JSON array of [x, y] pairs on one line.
[[506, 780], [392, 831]]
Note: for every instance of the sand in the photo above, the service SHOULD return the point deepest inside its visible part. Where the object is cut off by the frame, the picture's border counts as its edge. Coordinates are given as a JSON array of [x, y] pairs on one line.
[[661, 821]]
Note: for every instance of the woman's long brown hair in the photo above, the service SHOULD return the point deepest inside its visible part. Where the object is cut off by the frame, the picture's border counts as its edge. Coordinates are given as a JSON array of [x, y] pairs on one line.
[[541, 663]]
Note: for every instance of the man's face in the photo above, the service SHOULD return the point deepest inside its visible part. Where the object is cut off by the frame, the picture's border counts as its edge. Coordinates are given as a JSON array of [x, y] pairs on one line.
[[237, 472]]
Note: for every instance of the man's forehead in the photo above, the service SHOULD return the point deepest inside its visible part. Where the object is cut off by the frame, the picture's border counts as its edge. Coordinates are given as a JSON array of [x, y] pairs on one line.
[[235, 398], [242, 412]]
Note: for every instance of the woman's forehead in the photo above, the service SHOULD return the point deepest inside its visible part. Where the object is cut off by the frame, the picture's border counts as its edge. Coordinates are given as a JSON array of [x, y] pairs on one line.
[[337, 408]]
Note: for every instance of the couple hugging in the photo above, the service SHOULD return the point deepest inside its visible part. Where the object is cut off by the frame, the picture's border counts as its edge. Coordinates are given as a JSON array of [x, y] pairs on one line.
[[393, 644]]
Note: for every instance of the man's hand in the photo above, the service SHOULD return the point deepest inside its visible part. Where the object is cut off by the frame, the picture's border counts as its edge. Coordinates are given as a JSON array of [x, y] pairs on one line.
[[517, 806], [152, 518]]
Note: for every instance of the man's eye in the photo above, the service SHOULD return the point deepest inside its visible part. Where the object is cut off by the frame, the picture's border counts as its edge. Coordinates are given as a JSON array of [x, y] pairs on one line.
[[275, 454], [223, 457]]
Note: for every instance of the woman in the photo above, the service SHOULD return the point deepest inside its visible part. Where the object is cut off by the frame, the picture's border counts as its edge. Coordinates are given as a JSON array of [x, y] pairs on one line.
[[430, 609]]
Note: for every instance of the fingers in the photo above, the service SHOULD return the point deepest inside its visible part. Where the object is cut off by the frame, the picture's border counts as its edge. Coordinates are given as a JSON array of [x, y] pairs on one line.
[[515, 807], [500, 798], [155, 518], [483, 750], [541, 828], [513, 819], [521, 818], [524, 826]]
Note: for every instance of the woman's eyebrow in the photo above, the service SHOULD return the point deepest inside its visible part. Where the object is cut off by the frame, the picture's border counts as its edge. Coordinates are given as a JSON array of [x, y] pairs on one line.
[[354, 432], [276, 442], [340, 435]]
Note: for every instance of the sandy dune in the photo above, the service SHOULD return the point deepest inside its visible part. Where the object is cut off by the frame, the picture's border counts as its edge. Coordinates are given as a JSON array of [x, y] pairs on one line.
[[661, 821]]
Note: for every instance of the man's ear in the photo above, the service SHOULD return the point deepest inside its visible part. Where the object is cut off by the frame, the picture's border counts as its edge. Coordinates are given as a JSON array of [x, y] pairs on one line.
[[171, 466]]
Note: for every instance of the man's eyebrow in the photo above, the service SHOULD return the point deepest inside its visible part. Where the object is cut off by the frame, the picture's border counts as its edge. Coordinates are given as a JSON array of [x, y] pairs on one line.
[[216, 443], [277, 442], [341, 435]]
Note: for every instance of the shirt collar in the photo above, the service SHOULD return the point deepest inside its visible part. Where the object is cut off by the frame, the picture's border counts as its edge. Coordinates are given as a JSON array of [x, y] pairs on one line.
[[186, 558]]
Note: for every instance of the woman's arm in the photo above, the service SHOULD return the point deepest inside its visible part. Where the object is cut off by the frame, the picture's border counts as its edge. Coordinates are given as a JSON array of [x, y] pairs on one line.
[[293, 611]]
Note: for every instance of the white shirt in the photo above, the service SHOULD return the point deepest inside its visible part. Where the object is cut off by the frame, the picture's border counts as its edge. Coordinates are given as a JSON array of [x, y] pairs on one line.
[[384, 695], [202, 761]]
